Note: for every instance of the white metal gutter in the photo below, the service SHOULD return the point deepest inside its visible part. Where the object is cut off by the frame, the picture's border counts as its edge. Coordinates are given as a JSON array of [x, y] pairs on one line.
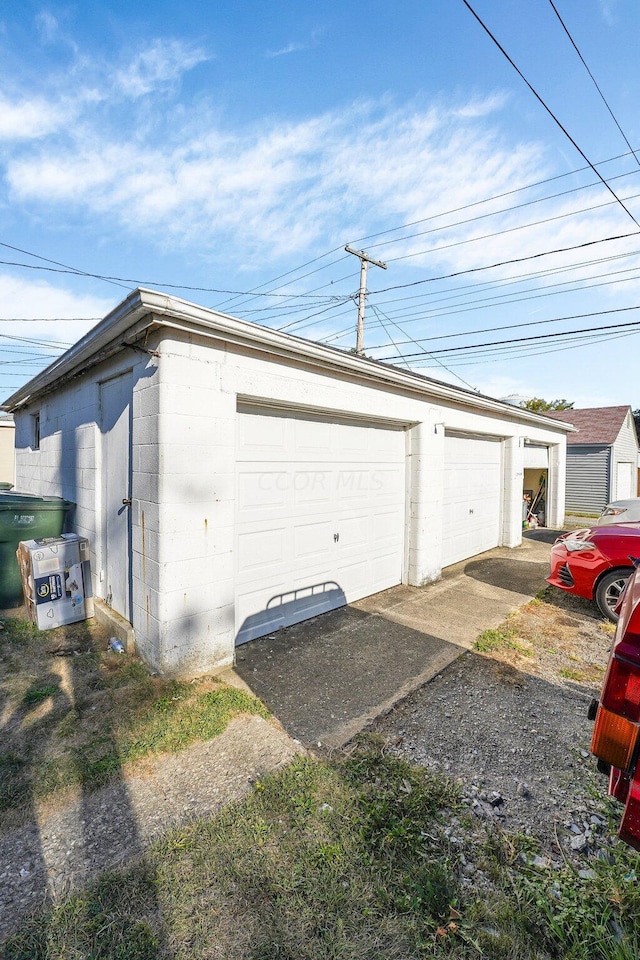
[[144, 309]]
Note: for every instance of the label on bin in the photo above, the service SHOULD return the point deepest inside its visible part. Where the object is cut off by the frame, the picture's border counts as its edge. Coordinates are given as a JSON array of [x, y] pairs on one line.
[[49, 588]]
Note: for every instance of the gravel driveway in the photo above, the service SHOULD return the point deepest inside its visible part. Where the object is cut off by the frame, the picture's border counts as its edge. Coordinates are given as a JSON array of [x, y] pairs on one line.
[[510, 725]]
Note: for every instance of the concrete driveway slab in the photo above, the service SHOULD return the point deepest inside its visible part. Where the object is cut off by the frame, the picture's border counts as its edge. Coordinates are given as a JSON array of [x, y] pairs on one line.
[[326, 678]]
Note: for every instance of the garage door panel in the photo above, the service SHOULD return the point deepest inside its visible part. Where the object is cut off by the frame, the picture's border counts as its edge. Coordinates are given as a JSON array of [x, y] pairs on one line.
[[353, 532], [472, 497], [311, 540], [261, 439], [312, 440], [261, 548], [300, 484], [381, 571], [311, 487], [259, 489], [385, 527]]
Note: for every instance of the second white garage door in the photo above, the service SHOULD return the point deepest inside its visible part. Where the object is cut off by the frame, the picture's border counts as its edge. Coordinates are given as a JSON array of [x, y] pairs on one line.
[[320, 516], [472, 497]]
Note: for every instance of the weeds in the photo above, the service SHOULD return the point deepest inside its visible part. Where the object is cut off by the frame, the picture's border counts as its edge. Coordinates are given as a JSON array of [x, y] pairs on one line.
[[345, 860], [74, 712], [491, 640]]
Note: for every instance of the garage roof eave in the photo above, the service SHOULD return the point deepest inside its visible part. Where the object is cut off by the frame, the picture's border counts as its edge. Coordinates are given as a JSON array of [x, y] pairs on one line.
[[145, 308]]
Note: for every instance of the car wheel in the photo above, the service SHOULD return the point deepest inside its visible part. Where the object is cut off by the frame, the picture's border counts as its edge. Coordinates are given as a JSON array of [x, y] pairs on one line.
[[608, 592]]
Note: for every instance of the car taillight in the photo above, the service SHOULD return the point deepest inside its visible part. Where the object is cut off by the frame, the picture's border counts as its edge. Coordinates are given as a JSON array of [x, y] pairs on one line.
[[619, 783], [616, 733], [630, 827], [621, 691], [614, 738]]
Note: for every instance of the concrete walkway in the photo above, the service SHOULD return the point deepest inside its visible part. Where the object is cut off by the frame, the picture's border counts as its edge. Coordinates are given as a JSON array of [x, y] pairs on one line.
[[325, 679], [67, 844]]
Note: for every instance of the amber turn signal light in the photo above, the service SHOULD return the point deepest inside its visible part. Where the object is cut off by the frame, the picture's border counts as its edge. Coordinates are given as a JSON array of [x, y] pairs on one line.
[[614, 738]]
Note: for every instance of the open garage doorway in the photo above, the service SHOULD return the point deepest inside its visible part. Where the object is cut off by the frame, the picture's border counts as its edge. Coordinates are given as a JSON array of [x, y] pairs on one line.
[[535, 486]]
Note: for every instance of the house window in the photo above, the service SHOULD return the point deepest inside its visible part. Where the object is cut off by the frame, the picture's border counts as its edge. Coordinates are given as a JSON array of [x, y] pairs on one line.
[[36, 432]]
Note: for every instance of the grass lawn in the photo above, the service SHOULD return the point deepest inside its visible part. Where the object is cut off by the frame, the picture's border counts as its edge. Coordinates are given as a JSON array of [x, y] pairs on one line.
[[357, 857], [72, 713]]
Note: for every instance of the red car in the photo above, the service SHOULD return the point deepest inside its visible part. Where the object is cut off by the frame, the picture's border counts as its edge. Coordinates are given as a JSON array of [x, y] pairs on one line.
[[616, 734], [596, 563]]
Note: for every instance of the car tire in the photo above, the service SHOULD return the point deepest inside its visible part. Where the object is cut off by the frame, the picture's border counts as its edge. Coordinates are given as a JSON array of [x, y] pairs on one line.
[[608, 592]]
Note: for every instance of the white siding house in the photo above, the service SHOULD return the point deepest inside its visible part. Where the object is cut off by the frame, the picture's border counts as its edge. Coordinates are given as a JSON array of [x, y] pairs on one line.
[[232, 479]]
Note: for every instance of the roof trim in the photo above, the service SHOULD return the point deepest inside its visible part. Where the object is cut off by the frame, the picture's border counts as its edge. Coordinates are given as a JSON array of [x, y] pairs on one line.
[[144, 309]]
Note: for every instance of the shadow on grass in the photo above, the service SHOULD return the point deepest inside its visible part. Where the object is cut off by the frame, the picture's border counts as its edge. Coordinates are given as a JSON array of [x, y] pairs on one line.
[[48, 681], [351, 859], [571, 604]]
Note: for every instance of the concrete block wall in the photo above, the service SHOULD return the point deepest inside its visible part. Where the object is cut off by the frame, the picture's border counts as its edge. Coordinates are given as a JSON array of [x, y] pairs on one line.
[[425, 499], [513, 473], [64, 465], [68, 461], [197, 483]]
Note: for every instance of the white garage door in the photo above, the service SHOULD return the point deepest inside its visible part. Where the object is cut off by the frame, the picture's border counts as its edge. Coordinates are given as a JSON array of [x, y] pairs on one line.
[[472, 497], [320, 516]]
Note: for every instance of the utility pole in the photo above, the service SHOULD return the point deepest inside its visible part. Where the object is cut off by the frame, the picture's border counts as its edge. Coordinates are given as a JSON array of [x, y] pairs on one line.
[[365, 259]]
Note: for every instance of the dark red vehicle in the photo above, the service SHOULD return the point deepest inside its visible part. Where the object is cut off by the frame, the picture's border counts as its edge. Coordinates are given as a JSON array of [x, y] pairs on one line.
[[616, 734], [595, 563]]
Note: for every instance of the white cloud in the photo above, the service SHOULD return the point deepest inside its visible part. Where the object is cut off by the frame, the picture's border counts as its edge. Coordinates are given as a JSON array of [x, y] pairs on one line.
[[32, 118], [163, 62], [608, 8], [286, 188], [25, 299], [286, 185], [289, 48], [47, 26], [297, 47]]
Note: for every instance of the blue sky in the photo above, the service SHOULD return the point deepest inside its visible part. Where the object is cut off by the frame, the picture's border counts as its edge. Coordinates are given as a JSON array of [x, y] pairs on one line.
[[238, 146]]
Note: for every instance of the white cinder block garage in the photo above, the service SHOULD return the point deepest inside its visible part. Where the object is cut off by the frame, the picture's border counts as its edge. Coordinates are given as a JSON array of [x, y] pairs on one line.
[[233, 480]]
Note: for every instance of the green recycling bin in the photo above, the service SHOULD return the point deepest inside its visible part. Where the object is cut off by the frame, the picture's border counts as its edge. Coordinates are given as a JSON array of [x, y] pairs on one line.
[[24, 516]]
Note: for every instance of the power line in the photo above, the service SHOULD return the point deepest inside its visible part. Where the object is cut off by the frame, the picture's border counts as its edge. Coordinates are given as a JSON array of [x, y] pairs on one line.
[[415, 283], [143, 283], [549, 111], [508, 326], [534, 349], [379, 314], [50, 319], [504, 263], [542, 336], [501, 301], [69, 269], [496, 213], [466, 308], [434, 358], [497, 196], [57, 345], [501, 233], [288, 273], [595, 82]]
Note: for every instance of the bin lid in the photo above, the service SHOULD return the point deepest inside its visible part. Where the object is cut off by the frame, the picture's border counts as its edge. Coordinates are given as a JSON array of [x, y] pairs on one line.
[[14, 499]]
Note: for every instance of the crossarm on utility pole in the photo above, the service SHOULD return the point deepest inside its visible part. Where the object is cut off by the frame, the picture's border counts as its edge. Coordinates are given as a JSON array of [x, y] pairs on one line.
[[365, 260]]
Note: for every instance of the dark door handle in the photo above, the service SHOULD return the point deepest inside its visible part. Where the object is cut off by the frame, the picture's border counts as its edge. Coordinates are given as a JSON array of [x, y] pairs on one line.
[[126, 501]]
